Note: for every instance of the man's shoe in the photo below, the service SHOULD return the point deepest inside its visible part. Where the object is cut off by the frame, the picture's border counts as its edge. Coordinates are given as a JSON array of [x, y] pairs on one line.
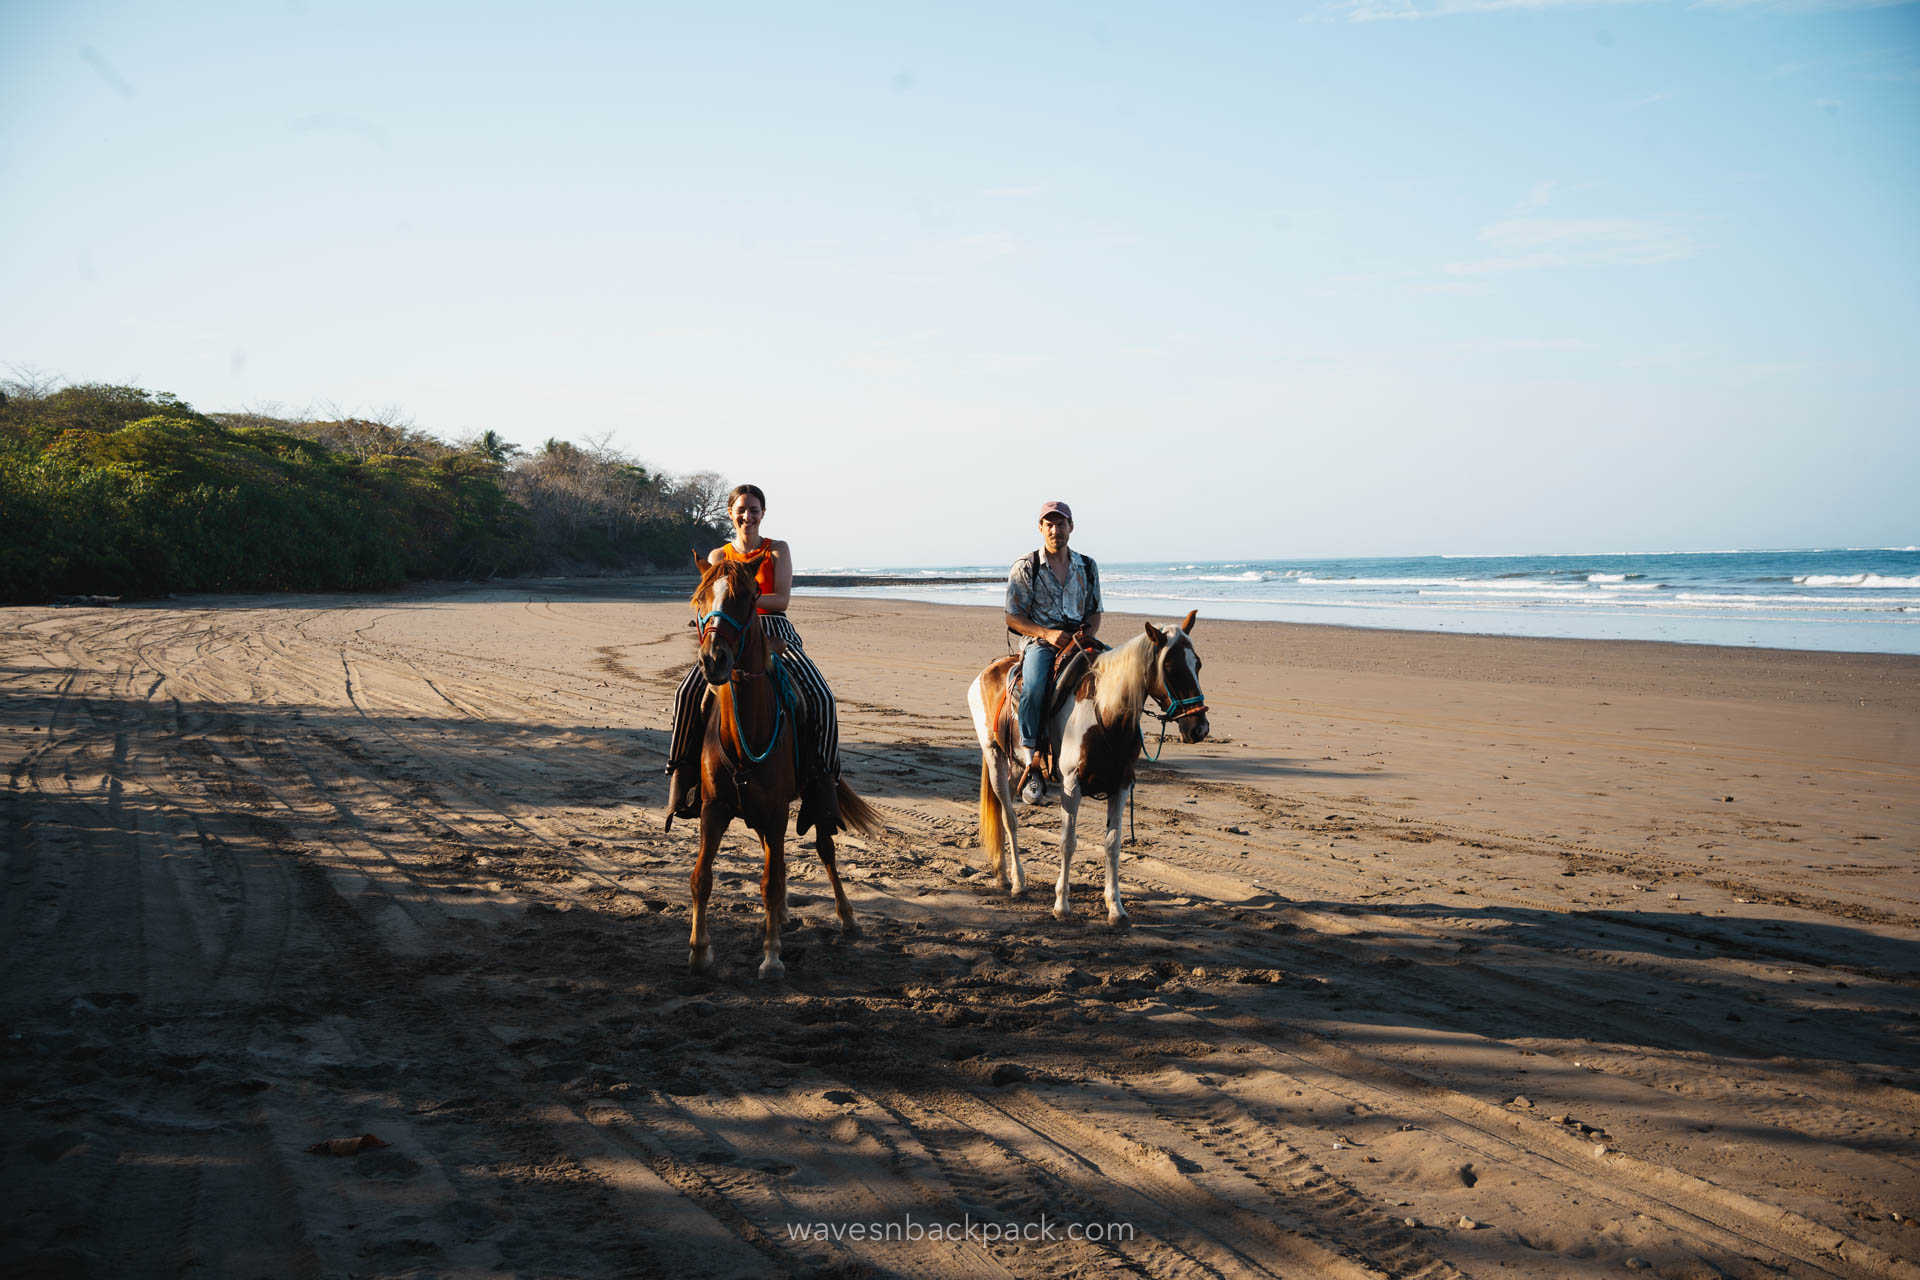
[[1033, 781]]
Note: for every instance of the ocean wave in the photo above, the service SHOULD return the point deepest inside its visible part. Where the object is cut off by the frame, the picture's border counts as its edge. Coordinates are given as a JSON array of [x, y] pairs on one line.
[[1873, 580], [1549, 597], [1490, 584], [1794, 603]]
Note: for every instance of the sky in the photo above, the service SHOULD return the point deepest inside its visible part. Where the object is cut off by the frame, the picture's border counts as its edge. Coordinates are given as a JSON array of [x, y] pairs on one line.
[[1243, 280]]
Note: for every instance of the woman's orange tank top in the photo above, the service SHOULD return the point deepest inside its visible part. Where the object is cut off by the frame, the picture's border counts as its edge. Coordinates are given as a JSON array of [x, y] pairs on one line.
[[763, 573]]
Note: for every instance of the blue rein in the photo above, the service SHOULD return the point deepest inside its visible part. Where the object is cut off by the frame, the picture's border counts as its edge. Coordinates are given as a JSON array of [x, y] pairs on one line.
[[783, 696]]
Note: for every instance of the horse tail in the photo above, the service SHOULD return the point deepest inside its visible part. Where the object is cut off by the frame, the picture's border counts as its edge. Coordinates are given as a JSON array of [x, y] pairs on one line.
[[992, 831], [856, 813]]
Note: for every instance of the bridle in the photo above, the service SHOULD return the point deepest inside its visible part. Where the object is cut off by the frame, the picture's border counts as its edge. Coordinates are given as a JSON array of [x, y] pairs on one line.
[[739, 627], [1178, 708], [708, 623], [1172, 709], [706, 620]]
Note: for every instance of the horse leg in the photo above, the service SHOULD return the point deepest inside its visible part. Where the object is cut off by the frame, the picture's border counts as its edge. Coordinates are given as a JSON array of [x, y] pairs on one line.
[[823, 845], [773, 892], [713, 825], [1069, 812], [1013, 878], [1116, 809]]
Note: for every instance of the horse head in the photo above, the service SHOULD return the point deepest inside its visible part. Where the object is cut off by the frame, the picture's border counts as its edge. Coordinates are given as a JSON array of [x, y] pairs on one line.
[[724, 604], [1176, 679]]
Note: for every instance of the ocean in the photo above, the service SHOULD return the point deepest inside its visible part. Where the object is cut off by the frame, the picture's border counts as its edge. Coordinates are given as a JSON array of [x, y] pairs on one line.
[[1857, 600]]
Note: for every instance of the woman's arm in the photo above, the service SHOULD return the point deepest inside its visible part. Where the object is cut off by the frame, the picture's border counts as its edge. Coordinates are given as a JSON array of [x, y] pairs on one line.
[[777, 599]]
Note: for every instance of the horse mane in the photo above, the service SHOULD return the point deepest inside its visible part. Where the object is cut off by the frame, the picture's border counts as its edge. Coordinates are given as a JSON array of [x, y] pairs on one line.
[[1120, 680], [699, 597]]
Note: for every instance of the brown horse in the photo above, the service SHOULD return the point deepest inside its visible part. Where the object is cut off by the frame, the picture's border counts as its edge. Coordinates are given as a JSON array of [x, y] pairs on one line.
[[1098, 729], [748, 768]]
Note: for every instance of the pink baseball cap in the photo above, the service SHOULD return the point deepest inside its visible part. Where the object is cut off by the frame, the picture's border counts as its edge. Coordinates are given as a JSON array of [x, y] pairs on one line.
[[1056, 509]]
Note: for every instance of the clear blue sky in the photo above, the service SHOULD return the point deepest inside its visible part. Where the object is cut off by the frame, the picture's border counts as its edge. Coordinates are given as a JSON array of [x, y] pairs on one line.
[[1348, 278]]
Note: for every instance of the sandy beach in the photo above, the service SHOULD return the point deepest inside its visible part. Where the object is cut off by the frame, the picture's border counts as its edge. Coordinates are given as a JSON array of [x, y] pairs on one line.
[[1451, 956]]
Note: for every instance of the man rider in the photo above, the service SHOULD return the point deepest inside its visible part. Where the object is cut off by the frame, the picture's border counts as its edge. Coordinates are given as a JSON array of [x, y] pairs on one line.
[[1052, 595]]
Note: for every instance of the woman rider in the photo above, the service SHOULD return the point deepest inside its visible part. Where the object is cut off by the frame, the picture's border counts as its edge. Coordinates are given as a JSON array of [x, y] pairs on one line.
[[819, 726]]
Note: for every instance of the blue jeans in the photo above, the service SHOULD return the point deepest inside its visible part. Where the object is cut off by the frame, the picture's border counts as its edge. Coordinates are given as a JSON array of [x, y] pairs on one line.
[[1036, 664]]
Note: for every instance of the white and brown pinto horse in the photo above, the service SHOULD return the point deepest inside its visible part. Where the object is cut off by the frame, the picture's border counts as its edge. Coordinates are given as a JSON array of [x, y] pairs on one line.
[[1098, 729], [748, 768]]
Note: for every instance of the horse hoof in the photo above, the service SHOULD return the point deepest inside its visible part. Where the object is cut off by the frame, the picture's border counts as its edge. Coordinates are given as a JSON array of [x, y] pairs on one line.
[[700, 960], [772, 970], [1062, 913], [1118, 920], [848, 929]]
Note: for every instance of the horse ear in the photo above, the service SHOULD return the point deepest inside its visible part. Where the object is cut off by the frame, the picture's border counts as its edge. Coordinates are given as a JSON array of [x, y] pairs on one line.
[[1192, 616], [699, 561], [1156, 635]]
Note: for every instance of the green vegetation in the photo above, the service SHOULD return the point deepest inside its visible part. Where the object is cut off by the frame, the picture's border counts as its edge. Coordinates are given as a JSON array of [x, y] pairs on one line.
[[118, 491]]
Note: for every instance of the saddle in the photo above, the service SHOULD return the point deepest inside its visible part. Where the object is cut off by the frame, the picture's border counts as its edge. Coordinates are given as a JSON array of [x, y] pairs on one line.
[[1070, 669]]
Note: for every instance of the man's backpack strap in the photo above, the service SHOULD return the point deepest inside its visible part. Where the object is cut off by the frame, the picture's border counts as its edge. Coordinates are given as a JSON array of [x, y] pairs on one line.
[[1033, 571]]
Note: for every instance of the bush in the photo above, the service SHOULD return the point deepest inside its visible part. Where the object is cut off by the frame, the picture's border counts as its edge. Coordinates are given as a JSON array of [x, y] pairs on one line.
[[116, 491]]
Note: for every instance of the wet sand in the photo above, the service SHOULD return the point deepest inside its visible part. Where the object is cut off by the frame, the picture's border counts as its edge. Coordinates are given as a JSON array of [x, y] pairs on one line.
[[1451, 956]]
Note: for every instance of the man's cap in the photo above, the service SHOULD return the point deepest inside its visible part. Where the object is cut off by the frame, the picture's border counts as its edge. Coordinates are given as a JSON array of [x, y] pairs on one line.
[[1056, 509]]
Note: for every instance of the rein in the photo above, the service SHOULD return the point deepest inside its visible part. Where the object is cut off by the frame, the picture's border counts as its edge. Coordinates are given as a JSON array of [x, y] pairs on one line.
[[783, 695], [782, 698]]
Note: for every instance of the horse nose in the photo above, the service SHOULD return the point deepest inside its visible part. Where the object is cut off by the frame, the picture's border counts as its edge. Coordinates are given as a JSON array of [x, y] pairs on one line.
[[716, 666], [1200, 729]]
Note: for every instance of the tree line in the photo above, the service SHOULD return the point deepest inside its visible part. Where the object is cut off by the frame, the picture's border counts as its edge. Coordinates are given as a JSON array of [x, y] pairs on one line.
[[118, 491]]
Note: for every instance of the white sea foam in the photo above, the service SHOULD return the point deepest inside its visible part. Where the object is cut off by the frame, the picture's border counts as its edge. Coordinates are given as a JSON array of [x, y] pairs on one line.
[[1569, 595], [1852, 580], [1606, 577], [1797, 603], [1488, 584]]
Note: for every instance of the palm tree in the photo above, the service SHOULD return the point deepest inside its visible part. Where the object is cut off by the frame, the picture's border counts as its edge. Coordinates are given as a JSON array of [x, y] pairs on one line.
[[495, 448]]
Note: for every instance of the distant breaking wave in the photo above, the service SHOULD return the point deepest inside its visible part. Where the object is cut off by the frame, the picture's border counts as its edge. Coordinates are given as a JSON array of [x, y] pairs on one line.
[[1853, 580]]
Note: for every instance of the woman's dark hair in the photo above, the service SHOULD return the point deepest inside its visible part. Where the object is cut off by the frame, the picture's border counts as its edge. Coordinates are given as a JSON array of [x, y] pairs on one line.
[[753, 489]]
